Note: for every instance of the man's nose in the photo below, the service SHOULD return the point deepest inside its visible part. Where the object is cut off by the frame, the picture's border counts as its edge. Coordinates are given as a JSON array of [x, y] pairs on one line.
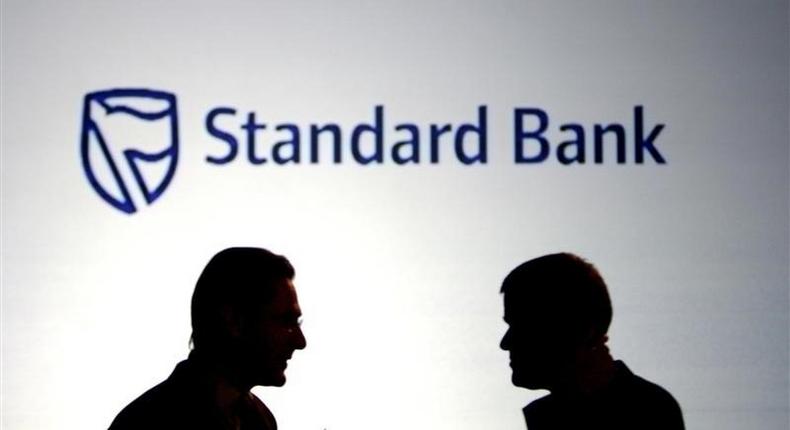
[[505, 342], [299, 341]]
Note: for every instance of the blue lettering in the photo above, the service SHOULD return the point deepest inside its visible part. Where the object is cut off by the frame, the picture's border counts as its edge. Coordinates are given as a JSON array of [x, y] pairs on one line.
[[641, 143], [251, 126], [413, 144], [293, 143], [378, 139], [481, 130], [233, 144], [436, 133], [619, 133], [521, 135], [577, 144]]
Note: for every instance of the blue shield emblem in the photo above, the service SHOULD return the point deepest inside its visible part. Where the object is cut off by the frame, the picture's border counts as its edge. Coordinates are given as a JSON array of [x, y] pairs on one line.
[[129, 145]]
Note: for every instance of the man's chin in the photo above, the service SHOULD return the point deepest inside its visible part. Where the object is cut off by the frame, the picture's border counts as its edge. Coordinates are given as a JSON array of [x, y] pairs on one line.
[[277, 380], [271, 380], [525, 382]]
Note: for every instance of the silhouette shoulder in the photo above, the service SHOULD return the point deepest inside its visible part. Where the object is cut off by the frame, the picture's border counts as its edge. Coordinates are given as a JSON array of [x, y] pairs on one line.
[[187, 400], [177, 402], [629, 402], [154, 409], [651, 400]]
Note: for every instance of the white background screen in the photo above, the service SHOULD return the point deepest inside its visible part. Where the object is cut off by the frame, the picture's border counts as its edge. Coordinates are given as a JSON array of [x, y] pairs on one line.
[[399, 266]]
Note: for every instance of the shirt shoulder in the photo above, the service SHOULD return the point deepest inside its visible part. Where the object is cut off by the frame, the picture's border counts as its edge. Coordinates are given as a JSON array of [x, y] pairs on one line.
[[173, 403], [648, 400], [538, 413], [150, 410], [263, 417]]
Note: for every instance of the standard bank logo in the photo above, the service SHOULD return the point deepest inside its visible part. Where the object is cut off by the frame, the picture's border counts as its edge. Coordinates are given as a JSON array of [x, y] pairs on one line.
[[129, 141], [129, 145]]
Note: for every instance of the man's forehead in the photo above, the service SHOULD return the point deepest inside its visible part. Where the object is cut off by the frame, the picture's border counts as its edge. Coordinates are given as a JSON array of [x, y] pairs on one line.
[[285, 299], [520, 307]]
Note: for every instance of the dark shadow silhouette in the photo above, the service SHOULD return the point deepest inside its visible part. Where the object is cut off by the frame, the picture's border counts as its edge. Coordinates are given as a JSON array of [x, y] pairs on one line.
[[558, 311], [245, 327]]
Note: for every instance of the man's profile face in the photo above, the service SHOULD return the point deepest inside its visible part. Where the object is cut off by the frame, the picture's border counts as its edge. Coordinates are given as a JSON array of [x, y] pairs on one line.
[[271, 337], [539, 352]]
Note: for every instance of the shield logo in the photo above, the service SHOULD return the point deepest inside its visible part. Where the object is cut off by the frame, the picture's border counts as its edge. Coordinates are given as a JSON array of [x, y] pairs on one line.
[[129, 145]]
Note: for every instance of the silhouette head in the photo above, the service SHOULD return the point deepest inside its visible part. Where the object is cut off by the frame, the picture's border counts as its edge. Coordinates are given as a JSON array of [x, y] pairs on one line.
[[557, 307], [245, 315]]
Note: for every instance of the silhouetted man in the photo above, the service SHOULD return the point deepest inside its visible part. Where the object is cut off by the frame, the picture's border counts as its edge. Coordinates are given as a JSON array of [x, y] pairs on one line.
[[558, 311], [245, 327]]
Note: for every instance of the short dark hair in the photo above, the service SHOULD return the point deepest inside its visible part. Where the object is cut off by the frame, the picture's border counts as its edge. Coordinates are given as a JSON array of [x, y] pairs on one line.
[[565, 285], [242, 279]]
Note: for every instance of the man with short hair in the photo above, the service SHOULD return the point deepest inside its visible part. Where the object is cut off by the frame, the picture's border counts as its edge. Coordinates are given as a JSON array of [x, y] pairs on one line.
[[245, 327], [558, 311]]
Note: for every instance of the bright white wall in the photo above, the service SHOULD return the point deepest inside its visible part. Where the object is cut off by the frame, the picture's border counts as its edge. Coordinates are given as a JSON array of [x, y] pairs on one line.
[[398, 268]]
